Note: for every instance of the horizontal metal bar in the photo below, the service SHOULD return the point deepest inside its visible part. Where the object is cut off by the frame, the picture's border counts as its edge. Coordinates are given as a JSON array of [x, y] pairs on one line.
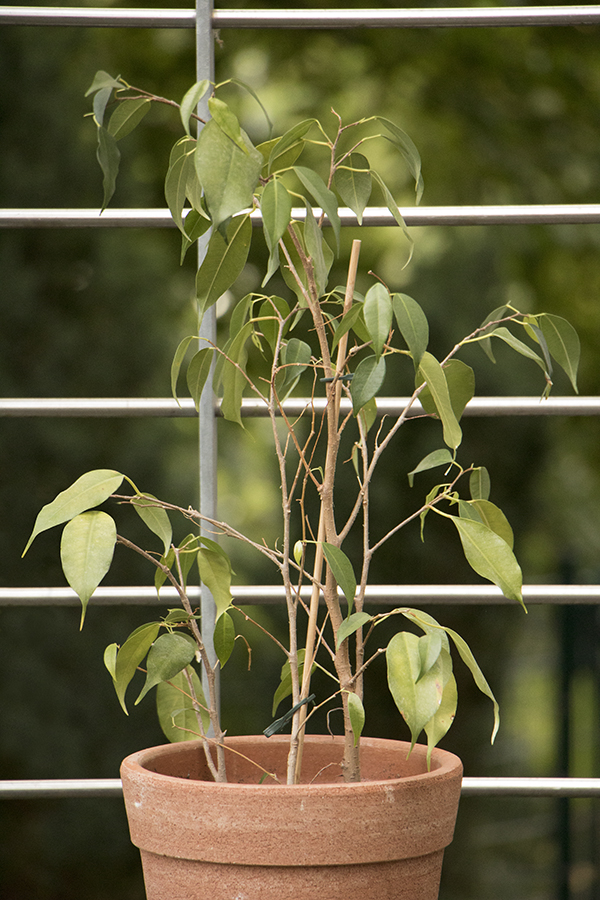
[[384, 594], [54, 788], [374, 216], [114, 407], [305, 18]]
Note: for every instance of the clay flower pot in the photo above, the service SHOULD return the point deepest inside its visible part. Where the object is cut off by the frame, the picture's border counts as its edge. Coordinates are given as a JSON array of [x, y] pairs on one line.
[[382, 839]]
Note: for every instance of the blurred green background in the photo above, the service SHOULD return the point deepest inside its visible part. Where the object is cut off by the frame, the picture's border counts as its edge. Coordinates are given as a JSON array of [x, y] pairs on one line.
[[499, 116]]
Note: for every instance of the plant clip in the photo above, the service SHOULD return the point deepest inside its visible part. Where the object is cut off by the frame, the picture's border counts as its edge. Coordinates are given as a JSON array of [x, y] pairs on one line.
[[337, 378], [278, 724]]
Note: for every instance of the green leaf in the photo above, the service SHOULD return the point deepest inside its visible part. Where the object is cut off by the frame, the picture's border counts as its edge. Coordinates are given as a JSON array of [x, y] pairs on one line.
[[431, 461], [490, 556], [195, 225], [377, 310], [479, 483], [405, 145], [175, 707], [110, 659], [224, 637], [494, 518], [342, 571], [190, 101], [439, 725], [86, 553], [215, 573], [563, 344], [417, 699], [285, 684], [198, 373], [271, 315], [103, 80], [346, 323], [413, 325], [181, 161], [432, 372], [393, 208], [292, 142], [169, 655], [227, 122], [478, 677], [154, 517], [295, 357], [223, 262], [276, 208], [430, 647], [368, 379], [353, 182], [99, 104], [126, 116], [356, 711], [109, 156], [232, 374], [317, 247], [178, 358], [289, 279], [131, 655], [228, 174], [350, 625], [460, 380], [89, 490], [509, 338], [325, 198]]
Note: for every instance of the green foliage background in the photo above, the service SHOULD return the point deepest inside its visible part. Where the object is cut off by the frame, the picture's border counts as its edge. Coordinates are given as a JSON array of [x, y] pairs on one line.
[[499, 116]]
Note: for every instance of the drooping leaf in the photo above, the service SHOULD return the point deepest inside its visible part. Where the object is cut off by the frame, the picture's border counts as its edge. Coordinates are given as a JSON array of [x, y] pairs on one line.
[[478, 677], [190, 101], [405, 145], [316, 249], [99, 104], [368, 379], [356, 711], [126, 116], [325, 198], [224, 637], [178, 358], [413, 325], [195, 225], [460, 380], [353, 182], [430, 647], [232, 375], [346, 323], [228, 174], [494, 518], [295, 357], [223, 262], [271, 315], [377, 310], [431, 371], [509, 338], [88, 491], [479, 483], [198, 373], [131, 655], [109, 156], [276, 208], [490, 556], [417, 699], [350, 625], [439, 725], [342, 571], [563, 343], [154, 517], [169, 654], [110, 659], [431, 461], [175, 707], [181, 160], [301, 290], [215, 573], [86, 552], [393, 208]]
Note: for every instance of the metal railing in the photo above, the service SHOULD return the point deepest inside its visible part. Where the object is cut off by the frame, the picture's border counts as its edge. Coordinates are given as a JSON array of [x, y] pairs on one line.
[[203, 19]]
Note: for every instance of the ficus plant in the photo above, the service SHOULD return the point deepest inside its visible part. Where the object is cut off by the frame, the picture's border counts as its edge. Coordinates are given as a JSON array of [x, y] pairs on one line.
[[332, 346]]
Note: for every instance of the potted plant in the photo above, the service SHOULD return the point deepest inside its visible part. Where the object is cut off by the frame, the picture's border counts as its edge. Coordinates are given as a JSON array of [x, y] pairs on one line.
[[278, 815]]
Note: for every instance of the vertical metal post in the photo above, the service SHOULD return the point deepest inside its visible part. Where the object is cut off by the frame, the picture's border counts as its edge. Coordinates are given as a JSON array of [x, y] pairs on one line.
[[207, 439]]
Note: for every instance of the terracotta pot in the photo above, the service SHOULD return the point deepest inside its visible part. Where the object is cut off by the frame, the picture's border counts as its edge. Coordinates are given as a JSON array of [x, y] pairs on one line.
[[382, 839]]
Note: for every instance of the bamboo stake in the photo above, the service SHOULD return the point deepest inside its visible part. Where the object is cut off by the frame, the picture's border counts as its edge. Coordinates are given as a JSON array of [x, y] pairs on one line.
[[311, 630]]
